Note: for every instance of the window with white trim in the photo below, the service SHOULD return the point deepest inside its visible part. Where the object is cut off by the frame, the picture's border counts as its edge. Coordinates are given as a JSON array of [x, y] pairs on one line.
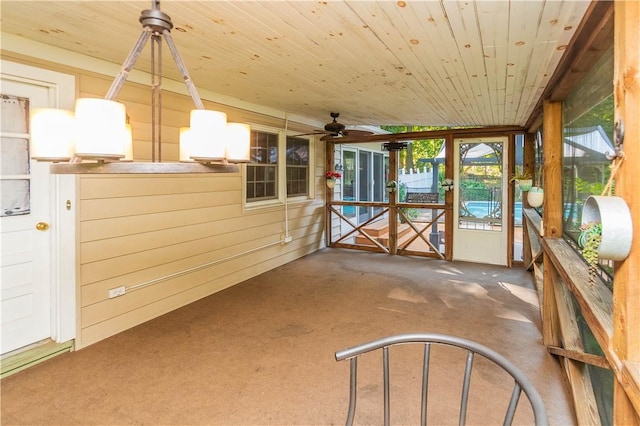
[[262, 172], [280, 167], [297, 166]]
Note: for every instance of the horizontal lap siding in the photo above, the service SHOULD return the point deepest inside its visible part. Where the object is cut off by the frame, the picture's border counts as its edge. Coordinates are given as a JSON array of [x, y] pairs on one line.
[[136, 229]]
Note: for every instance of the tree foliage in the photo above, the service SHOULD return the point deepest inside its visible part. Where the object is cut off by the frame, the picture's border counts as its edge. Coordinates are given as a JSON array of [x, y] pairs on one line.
[[418, 149]]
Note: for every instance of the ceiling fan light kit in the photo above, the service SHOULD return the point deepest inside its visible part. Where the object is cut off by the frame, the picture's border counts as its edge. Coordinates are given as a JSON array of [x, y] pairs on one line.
[[334, 127]]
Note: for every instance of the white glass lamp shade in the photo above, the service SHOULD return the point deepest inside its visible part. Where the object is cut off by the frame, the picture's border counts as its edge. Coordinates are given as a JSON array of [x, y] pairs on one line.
[[208, 132], [186, 141], [52, 134], [238, 141], [100, 125]]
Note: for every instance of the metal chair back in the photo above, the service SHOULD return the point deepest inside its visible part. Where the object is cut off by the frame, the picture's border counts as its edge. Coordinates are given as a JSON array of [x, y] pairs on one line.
[[521, 382]]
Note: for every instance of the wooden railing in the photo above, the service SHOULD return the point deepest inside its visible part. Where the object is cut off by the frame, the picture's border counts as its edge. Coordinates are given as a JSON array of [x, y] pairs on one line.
[[570, 279], [419, 230]]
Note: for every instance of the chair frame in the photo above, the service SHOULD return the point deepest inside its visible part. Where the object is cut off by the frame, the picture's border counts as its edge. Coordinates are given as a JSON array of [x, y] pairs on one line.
[[521, 382]]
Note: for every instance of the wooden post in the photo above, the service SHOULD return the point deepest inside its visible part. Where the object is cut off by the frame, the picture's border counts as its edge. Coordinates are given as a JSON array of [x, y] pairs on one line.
[[529, 165], [393, 198], [448, 198], [552, 139], [552, 214], [529, 160], [329, 154], [511, 196], [626, 288]]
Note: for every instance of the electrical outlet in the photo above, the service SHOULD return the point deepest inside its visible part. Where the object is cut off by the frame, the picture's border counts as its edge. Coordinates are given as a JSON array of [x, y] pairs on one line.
[[288, 239], [118, 291]]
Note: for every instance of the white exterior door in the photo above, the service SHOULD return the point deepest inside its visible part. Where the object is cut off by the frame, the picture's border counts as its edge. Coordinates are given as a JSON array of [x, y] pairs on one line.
[[480, 200], [29, 292]]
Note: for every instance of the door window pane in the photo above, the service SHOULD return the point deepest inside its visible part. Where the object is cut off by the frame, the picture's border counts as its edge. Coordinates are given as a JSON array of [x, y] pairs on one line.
[[480, 200], [14, 156]]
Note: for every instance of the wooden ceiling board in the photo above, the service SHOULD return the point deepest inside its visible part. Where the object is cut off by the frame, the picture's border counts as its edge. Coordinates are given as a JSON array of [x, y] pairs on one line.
[[376, 62], [555, 29], [526, 15], [435, 64], [416, 56], [471, 72]]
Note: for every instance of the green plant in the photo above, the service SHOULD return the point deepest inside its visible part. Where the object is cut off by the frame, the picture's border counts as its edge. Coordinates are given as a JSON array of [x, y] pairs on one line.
[[520, 174], [589, 240]]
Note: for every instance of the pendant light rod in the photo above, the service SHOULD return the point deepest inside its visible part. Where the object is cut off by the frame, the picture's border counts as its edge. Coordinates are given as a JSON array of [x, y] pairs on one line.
[[154, 21], [183, 70], [128, 64]]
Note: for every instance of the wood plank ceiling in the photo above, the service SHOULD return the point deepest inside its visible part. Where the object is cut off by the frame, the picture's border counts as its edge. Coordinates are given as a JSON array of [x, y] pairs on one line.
[[471, 63]]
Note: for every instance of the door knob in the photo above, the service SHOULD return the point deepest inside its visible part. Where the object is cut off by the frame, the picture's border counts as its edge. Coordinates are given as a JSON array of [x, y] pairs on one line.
[[42, 226]]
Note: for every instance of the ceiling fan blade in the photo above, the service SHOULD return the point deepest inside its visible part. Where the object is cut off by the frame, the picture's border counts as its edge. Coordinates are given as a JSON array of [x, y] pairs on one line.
[[330, 136], [356, 133], [318, 132]]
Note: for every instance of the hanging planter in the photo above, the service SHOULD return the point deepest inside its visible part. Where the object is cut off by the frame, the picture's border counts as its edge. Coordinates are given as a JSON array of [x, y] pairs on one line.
[[331, 177], [522, 179], [535, 196], [614, 217], [525, 184]]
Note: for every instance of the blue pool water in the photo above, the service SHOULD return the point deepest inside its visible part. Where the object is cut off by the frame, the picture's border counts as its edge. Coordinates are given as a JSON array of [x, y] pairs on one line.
[[484, 208]]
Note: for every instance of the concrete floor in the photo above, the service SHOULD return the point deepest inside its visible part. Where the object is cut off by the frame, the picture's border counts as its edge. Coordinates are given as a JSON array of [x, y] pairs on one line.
[[262, 352]]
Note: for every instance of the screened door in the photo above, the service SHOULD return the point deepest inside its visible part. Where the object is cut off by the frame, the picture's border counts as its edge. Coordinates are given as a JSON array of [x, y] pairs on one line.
[[480, 200]]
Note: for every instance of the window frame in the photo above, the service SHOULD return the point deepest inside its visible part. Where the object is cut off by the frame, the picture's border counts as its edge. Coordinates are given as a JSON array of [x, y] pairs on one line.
[[310, 168], [281, 185]]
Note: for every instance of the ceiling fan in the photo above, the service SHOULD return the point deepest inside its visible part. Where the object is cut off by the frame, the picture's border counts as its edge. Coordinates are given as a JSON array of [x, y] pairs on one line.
[[337, 130]]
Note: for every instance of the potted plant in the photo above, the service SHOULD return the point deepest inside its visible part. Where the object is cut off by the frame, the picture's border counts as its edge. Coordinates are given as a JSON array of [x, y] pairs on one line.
[[535, 196], [522, 178], [613, 217], [331, 177], [589, 241]]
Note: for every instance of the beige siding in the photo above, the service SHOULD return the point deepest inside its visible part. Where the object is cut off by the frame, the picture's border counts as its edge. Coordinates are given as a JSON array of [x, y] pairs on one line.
[[174, 239], [133, 239]]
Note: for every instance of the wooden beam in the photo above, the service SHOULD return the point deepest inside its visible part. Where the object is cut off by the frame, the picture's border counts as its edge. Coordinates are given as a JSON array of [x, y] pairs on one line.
[[448, 199], [626, 289], [328, 165], [584, 400], [511, 159], [553, 145], [433, 134], [583, 357], [552, 215], [595, 299], [393, 200], [529, 160]]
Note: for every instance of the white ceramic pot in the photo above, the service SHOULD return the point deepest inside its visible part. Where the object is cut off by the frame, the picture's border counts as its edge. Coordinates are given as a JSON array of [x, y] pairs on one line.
[[617, 228], [331, 183], [535, 196]]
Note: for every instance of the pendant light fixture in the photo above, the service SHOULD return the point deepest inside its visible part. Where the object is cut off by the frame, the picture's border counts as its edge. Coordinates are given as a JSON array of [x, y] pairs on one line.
[[97, 139]]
